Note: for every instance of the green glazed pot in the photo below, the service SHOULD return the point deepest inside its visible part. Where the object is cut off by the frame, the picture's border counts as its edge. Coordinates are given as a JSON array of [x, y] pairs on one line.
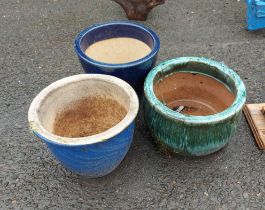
[[193, 135]]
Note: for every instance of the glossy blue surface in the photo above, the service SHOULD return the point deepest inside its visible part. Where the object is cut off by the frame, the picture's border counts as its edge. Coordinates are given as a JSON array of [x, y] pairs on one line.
[[93, 160], [255, 14], [133, 72]]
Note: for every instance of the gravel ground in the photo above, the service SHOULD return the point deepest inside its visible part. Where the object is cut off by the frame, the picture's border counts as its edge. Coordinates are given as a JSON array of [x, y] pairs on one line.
[[36, 39]]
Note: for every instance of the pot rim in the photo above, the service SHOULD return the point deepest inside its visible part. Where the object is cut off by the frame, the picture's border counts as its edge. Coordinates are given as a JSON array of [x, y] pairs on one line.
[[236, 106], [84, 32], [37, 128]]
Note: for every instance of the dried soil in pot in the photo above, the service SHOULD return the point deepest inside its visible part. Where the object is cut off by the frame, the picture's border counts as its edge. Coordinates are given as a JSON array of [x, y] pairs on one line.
[[200, 95], [88, 116]]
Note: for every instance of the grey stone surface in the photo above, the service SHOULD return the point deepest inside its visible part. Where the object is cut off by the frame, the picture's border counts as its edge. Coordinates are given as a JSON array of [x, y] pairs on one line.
[[36, 49]]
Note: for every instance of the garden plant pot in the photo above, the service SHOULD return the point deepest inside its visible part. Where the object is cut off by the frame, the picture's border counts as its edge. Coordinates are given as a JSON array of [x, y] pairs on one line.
[[95, 155], [133, 72], [186, 134]]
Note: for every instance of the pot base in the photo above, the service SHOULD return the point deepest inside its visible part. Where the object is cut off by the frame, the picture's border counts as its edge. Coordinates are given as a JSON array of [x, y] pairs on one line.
[[168, 150], [195, 107]]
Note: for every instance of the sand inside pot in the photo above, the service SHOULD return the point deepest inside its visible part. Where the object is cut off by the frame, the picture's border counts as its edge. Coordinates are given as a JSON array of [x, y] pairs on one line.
[[88, 116], [118, 50], [197, 94]]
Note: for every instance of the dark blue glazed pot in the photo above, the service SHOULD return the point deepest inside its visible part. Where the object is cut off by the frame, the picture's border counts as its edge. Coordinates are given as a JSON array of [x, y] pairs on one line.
[[133, 72], [92, 156], [193, 135]]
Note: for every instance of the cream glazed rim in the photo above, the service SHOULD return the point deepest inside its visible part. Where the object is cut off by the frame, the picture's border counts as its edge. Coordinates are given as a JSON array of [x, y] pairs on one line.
[[36, 126]]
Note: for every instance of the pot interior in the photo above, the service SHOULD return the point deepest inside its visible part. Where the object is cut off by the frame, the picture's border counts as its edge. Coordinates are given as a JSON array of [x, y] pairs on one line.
[[62, 98], [104, 32], [195, 89]]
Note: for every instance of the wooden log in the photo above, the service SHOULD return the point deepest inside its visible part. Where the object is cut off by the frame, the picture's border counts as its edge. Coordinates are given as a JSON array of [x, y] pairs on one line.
[[138, 9]]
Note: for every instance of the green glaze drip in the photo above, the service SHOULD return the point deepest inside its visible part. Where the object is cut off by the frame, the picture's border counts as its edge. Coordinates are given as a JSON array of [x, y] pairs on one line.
[[193, 135]]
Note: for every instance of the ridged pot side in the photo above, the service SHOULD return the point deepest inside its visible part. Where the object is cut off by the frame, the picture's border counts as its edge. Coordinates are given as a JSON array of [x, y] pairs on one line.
[[189, 139], [193, 135]]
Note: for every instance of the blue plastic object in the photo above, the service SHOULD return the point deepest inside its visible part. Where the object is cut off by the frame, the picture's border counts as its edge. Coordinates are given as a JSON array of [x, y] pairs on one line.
[[255, 14], [133, 72]]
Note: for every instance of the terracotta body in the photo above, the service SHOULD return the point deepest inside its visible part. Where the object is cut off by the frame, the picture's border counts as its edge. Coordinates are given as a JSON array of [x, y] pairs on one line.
[[200, 95], [138, 9]]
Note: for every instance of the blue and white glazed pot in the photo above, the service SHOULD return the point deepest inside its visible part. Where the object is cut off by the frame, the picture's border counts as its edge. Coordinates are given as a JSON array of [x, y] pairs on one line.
[[96, 155]]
